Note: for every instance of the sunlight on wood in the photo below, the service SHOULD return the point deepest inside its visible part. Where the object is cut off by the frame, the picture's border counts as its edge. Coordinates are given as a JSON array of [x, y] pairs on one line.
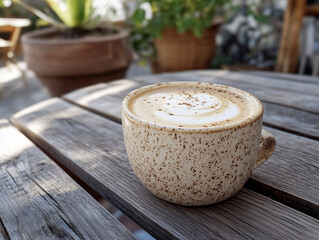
[[215, 73], [13, 146], [42, 126], [121, 86], [7, 137], [35, 107]]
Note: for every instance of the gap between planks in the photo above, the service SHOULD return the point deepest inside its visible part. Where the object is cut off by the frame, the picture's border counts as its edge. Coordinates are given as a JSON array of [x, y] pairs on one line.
[[40, 201]]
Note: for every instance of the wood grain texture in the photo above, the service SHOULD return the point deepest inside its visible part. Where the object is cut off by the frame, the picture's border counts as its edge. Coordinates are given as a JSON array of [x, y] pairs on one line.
[[291, 174], [100, 99], [118, 89], [266, 82], [285, 76], [92, 147], [291, 120], [304, 196], [105, 99], [40, 201]]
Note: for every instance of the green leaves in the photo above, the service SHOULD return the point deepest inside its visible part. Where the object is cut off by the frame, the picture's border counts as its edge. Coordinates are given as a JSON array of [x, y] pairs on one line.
[[74, 13], [194, 15], [39, 13], [138, 17], [184, 15], [1, 4]]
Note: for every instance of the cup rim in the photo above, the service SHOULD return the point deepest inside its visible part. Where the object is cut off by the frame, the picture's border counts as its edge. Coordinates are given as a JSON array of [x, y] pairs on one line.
[[125, 110]]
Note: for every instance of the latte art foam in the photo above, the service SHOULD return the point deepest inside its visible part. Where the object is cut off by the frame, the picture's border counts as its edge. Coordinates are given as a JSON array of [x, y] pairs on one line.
[[191, 106]]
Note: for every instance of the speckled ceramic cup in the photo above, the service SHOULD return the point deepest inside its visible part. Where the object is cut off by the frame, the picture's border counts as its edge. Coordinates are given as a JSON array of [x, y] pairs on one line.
[[195, 166]]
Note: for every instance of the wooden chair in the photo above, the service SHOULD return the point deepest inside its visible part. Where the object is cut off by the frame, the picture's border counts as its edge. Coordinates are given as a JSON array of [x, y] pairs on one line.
[[12, 27], [288, 56]]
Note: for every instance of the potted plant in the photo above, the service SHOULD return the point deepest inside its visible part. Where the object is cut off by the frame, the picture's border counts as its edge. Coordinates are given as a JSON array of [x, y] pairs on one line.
[[180, 35], [78, 51]]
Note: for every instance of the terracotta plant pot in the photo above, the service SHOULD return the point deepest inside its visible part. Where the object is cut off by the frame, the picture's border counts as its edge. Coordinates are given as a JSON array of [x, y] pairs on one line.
[[179, 52], [63, 65]]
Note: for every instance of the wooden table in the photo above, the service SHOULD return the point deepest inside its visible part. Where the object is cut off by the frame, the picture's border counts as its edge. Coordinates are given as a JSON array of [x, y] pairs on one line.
[[82, 132]]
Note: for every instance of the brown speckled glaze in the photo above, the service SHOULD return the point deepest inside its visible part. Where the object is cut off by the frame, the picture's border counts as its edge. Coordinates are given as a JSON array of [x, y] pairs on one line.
[[195, 166]]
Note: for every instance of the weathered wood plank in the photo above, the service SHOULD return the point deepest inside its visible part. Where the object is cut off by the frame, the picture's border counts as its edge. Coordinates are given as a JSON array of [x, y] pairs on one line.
[[102, 100], [118, 88], [92, 148], [285, 76], [292, 120], [265, 82], [291, 174], [99, 99], [40, 201]]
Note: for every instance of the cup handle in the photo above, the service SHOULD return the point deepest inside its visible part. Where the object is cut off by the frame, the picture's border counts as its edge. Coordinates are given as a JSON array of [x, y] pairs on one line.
[[266, 148]]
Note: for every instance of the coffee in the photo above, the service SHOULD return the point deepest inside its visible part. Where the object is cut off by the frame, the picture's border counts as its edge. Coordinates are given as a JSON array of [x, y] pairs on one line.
[[177, 157], [194, 105]]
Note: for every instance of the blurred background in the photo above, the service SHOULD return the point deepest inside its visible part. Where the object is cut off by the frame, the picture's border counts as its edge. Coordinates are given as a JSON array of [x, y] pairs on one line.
[[249, 36], [49, 48]]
